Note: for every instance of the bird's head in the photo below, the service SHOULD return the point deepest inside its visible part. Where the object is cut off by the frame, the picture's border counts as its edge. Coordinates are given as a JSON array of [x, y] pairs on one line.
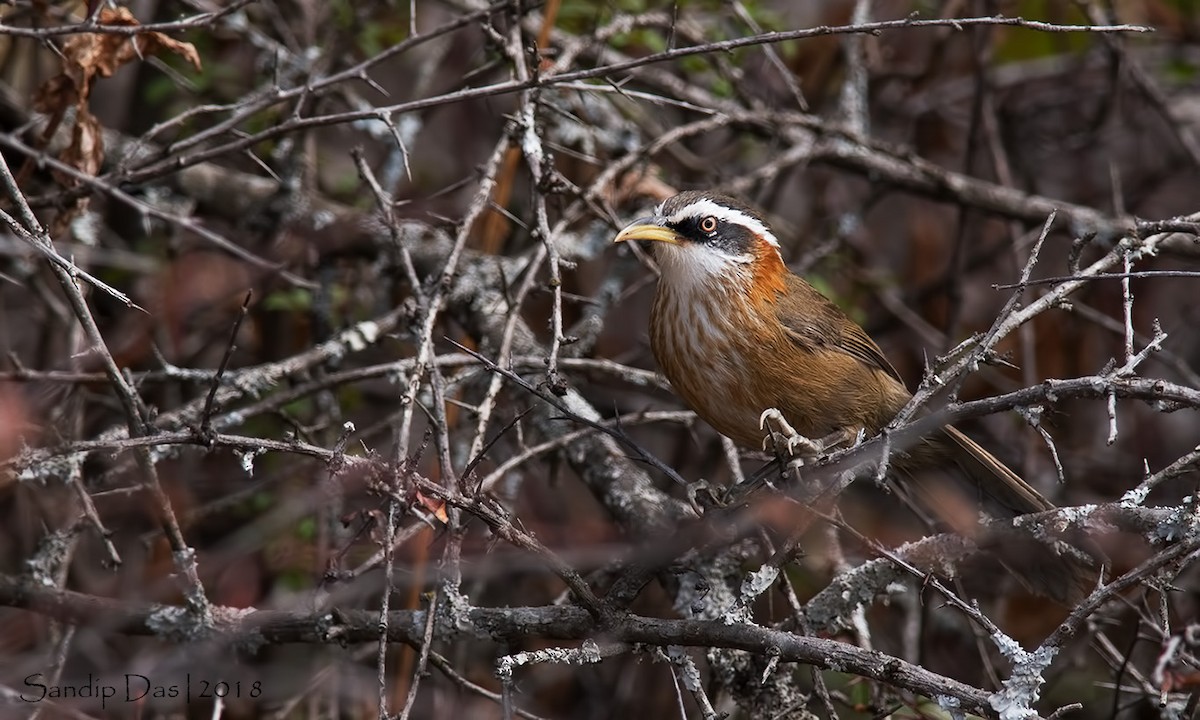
[[702, 237]]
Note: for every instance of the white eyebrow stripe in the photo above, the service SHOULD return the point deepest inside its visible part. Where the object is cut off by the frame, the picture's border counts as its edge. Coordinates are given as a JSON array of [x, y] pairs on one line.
[[706, 208]]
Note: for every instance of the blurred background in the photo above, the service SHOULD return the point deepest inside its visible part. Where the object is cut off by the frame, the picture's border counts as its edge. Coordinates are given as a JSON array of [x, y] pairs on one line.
[[906, 173]]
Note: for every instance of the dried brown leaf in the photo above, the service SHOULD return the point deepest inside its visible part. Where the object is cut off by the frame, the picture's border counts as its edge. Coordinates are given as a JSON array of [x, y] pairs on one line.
[[90, 55], [435, 506], [86, 151]]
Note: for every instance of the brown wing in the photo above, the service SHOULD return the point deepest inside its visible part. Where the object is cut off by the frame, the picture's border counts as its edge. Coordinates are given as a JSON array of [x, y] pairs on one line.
[[812, 320], [815, 323]]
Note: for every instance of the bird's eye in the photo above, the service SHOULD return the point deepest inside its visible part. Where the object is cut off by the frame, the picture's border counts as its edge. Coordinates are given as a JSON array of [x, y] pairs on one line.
[[709, 224]]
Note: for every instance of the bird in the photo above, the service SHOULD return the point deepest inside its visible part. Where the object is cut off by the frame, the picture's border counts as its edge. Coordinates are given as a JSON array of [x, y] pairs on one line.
[[745, 342]]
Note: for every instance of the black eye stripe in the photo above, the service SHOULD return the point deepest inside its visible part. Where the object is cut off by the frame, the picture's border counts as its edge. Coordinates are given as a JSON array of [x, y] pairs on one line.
[[696, 229], [729, 237]]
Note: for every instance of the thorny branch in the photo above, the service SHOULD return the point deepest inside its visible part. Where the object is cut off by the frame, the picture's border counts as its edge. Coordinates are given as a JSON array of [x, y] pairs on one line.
[[452, 388]]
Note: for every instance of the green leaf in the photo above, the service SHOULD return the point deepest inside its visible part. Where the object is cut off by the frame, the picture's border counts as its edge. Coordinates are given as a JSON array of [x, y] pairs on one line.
[[292, 299], [306, 529]]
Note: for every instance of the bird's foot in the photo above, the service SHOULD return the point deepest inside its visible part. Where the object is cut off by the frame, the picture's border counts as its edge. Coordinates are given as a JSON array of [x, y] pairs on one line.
[[783, 435]]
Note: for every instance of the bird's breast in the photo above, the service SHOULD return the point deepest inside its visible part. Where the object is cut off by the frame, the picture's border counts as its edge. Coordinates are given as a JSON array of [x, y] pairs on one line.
[[698, 340], [730, 359]]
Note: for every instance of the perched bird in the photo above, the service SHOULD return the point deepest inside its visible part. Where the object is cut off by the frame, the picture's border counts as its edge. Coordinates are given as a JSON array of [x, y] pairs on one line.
[[742, 339]]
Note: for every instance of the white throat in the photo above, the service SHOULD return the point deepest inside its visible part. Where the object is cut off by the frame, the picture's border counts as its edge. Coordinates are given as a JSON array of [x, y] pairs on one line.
[[693, 268]]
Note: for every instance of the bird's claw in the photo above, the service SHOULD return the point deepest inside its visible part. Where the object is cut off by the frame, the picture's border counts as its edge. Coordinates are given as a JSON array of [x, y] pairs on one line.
[[798, 446]]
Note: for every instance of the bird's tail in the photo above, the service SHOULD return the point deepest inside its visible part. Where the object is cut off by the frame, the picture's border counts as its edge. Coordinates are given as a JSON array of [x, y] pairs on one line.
[[1064, 573], [992, 479]]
